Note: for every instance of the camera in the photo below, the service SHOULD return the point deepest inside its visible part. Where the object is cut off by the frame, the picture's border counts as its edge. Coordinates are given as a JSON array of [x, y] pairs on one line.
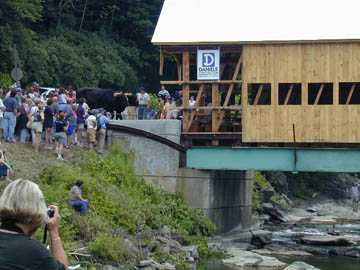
[[51, 212]]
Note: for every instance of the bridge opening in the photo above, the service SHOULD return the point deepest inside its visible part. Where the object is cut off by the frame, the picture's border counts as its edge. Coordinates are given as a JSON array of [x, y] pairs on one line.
[[320, 93], [349, 93], [259, 93], [289, 94]]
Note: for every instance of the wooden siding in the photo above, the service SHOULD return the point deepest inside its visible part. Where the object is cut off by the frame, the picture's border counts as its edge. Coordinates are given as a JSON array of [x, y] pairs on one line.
[[301, 63]]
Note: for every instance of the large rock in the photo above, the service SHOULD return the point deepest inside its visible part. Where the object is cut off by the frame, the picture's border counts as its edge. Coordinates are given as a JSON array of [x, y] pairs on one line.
[[276, 215], [327, 240], [261, 238], [300, 266], [282, 252], [246, 260]]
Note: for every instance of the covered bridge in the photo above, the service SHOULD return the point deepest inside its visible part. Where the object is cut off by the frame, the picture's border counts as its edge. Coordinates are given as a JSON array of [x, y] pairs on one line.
[[295, 66]]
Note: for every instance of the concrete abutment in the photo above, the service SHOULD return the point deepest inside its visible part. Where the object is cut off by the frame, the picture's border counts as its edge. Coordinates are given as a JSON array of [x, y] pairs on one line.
[[225, 196]]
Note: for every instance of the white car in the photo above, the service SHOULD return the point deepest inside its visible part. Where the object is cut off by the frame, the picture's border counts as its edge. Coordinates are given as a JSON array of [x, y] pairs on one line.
[[45, 92]]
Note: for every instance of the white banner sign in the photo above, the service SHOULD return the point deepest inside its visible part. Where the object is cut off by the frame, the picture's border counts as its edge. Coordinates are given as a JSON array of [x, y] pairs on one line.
[[208, 64]]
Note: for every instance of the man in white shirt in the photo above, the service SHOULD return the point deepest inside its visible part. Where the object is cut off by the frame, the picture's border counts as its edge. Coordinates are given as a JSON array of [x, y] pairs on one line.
[[143, 100], [91, 124]]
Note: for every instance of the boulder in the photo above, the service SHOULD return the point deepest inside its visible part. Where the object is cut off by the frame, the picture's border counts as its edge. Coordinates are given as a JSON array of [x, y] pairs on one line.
[[261, 238], [191, 251], [327, 240], [353, 252], [282, 252], [276, 215], [245, 259], [300, 266]]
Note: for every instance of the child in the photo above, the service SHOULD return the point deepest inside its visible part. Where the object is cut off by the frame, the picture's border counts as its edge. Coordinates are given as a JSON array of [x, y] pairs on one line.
[[61, 125]]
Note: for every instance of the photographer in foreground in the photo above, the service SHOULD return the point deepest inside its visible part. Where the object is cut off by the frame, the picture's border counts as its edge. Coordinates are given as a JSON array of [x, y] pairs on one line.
[[22, 212]]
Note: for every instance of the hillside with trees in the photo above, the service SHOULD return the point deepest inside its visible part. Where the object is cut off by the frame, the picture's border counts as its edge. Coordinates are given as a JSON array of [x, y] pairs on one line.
[[80, 42]]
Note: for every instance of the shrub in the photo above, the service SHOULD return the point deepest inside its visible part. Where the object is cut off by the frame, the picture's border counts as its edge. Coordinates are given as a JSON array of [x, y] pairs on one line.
[[118, 199]]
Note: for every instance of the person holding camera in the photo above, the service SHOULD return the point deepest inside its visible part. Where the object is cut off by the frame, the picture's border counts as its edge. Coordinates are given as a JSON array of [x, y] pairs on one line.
[[22, 212]]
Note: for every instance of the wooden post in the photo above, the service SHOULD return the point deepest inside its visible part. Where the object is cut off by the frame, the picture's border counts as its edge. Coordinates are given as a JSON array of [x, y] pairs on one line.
[[215, 103], [305, 94], [186, 88], [161, 68], [336, 93]]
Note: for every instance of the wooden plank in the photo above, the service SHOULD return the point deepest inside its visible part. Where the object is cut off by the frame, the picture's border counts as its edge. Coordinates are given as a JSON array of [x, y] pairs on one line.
[[318, 96], [258, 95], [288, 95], [350, 94], [180, 82], [178, 67], [186, 88], [215, 102], [193, 111]]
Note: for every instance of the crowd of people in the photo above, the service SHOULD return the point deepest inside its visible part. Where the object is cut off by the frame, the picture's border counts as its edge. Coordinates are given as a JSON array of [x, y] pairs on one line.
[[56, 121], [168, 105]]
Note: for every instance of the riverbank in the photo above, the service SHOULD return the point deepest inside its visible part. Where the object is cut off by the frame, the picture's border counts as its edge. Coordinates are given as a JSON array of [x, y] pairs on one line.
[[130, 223]]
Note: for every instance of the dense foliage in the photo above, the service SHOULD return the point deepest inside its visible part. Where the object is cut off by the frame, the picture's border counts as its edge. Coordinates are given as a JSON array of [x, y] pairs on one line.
[[120, 201], [81, 42]]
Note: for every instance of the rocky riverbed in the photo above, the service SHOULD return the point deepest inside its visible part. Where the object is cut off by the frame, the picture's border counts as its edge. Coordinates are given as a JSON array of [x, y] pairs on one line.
[[284, 240]]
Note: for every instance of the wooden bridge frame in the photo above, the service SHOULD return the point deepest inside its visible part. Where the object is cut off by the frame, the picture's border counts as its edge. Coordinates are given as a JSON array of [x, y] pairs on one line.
[[182, 58]]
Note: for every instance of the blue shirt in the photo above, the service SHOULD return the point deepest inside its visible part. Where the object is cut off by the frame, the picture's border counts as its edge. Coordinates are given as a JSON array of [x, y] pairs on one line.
[[10, 104], [103, 121]]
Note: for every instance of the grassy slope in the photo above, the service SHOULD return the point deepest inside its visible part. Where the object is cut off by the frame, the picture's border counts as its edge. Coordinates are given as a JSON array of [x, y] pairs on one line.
[[28, 164], [118, 199]]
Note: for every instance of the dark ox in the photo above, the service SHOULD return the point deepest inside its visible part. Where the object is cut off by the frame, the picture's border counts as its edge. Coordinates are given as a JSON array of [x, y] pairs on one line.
[[104, 98]]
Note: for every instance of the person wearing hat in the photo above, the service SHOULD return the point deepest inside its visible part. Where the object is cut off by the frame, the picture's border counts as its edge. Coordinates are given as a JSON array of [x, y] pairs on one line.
[[143, 100], [91, 124]]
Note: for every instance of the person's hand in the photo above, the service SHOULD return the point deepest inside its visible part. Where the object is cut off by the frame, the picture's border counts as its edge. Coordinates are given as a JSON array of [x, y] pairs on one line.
[[54, 222]]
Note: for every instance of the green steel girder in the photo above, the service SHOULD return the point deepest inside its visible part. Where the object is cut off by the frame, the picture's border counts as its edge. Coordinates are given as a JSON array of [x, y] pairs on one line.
[[274, 159]]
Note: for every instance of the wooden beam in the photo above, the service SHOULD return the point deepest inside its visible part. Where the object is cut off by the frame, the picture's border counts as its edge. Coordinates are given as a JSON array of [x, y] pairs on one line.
[[350, 94], [215, 102], [231, 89], [288, 95], [258, 94], [161, 68], [318, 96], [179, 82], [186, 88], [193, 111]]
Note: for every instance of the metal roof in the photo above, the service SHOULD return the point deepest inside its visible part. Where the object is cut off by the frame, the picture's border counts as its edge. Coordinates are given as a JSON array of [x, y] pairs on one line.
[[253, 21]]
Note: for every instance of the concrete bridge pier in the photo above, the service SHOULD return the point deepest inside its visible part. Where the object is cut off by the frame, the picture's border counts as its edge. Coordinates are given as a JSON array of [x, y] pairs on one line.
[[225, 196]]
